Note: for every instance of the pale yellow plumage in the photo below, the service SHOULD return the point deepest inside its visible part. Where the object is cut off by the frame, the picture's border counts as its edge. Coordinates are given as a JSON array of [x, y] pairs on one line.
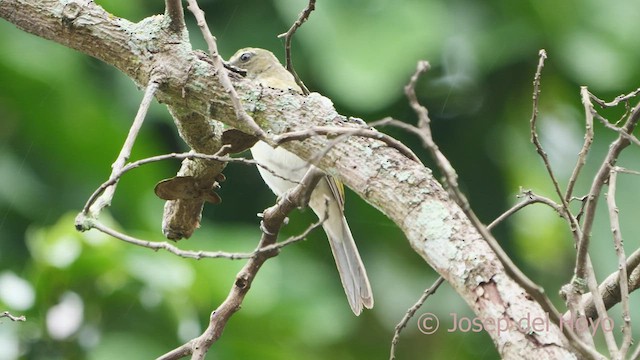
[[262, 66]]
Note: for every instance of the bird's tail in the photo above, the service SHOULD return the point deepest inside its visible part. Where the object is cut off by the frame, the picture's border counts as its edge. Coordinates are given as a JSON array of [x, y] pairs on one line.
[[352, 272]]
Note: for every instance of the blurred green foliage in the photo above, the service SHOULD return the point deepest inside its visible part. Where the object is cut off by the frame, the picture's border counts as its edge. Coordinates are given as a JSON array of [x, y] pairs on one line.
[[63, 117]]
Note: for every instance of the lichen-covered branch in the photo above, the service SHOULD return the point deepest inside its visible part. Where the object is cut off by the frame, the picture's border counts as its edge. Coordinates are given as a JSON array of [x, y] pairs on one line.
[[404, 190]]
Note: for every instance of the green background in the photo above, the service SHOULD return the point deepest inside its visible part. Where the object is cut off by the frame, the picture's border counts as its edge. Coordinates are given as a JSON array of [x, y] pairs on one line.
[[64, 116]]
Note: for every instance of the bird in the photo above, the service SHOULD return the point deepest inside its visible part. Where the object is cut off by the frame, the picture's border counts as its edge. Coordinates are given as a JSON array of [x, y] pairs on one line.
[[264, 67]]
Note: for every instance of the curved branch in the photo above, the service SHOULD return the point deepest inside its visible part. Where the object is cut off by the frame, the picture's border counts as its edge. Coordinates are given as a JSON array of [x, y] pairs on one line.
[[405, 191]]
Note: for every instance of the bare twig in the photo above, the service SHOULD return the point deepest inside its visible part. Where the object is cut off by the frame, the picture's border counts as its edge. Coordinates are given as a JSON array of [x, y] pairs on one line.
[[622, 170], [13, 317], [636, 353], [177, 156], [596, 187], [273, 220], [115, 176], [157, 245], [572, 292], [529, 198], [424, 129], [573, 223], [304, 16], [609, 288], [105, 199], [222, 72], [173, 9], [409, 314], [622, 262], [585, 268], [534, 118], [200, 254], [451, 177], [617, 129], [592, 282], [586, 146], [617, 100], [345, 132], [583, 271]]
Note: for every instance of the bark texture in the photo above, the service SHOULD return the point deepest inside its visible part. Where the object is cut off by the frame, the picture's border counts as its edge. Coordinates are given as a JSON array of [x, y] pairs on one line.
[[402, 189]]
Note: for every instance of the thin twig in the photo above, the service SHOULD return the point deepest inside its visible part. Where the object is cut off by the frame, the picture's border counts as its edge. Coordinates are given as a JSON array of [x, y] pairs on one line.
[[163, 245], [596, 187], [222, 72], [13, 317], [389, 121], [274, 218], [529, 198], [573, 223], [617, 129], [586, 146], [617, 100], [424, 129], [345, 132], [173, 9], [572, 292], [302, 17], [609, 288], [117, 175], [410, 313], [200, 254], [451, 177], [178, 156], [636, 353], [592, 283], [614, 220], [104, 200], [627, 171], [583, 270]]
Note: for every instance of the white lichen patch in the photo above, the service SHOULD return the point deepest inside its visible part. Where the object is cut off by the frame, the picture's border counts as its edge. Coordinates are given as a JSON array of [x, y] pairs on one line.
[[321, 100], [386, 164], [287, 102], [321, 107], [409, 177], [277, 125], [251, 101], [367, 151], [147, 32], [430, 232], [403, 176]]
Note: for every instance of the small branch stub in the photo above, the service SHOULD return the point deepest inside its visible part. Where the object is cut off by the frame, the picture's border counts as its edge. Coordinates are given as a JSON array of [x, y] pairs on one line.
[[70, 12]]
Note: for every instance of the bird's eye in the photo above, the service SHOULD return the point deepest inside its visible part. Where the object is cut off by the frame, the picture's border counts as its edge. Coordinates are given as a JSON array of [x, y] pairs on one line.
[[245, 56]]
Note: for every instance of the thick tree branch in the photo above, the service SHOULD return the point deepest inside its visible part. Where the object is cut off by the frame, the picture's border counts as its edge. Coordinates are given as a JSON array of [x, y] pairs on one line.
[[402, 189]]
